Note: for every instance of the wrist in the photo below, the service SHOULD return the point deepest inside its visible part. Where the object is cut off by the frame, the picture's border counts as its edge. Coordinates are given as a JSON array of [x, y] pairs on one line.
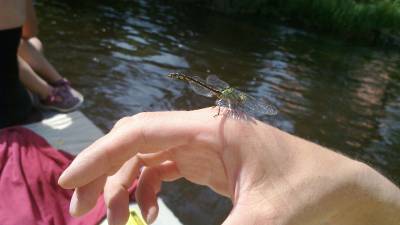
[[379, 196], [346, 192], [294, 181], [299, 182]]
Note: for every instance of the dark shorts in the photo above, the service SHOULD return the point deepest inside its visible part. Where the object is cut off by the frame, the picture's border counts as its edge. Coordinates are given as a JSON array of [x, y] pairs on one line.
[[15, 102]]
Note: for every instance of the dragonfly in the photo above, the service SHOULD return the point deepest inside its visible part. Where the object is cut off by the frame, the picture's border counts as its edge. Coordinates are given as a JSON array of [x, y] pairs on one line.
[[226, 95]]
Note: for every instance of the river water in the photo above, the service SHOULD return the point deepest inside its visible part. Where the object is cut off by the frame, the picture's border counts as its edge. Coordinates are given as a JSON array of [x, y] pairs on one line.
[[338, 94]]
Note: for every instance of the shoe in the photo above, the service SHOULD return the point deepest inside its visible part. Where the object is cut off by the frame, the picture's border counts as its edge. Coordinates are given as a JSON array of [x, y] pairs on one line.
[[65, 85], [63, 99], [61, 83]]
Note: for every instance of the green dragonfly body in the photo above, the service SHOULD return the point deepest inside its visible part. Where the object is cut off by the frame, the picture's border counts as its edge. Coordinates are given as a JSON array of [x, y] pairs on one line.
[[226, 95]]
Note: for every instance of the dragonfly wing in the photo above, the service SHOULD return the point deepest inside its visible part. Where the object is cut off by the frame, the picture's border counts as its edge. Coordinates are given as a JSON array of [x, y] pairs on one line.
[[217, 83], [257, 106], [198, 89]]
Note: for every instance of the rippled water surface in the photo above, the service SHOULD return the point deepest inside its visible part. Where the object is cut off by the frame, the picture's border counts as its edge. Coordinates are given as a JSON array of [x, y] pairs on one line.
[[117, 53]]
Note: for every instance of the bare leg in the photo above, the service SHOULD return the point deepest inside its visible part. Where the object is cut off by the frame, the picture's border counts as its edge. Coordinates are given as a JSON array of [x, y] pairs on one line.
[[29, 51], [36, 43], [32, 81]]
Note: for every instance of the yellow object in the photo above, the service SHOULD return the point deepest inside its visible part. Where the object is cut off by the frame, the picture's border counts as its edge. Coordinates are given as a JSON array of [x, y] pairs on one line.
[[135, 219]]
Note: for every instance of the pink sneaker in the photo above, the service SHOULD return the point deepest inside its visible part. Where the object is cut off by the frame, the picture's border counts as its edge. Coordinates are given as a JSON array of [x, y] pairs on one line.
[[61, 83], [63, 99]]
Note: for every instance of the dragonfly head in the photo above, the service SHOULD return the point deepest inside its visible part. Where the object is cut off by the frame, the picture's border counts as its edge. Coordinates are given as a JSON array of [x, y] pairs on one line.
[[178, 76]]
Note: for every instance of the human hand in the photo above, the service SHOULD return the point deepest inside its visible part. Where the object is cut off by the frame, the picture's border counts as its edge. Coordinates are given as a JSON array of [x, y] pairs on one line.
[[271, 176]]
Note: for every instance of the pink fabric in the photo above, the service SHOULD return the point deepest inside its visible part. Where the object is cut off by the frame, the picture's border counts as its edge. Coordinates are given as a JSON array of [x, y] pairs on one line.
[[29, 193]]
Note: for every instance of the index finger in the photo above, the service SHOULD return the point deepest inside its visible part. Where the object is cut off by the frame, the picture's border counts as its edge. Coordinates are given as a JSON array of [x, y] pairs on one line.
[[144, 132]]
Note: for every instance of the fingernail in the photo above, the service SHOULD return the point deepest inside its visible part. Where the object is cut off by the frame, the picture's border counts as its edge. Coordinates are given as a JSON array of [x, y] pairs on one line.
[[60, 180], [151, 215], [72, 205], [64, 181]]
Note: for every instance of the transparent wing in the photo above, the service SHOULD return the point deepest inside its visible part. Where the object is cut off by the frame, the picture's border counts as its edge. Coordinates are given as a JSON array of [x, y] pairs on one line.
[[255, 106], [198, 89], [214, 81]]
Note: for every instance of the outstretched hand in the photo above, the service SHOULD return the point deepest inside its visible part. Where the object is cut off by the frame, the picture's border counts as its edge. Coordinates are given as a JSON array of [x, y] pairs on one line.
[[271, 176], [170, 145]]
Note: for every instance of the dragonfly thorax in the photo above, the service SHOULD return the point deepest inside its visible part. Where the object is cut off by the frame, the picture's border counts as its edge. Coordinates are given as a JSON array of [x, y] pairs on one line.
[[227, 91], [232, 95]]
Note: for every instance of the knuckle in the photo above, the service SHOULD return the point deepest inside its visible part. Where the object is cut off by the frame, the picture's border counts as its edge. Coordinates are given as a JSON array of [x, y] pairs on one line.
[[141, 116], [114, 191], [122, 121]]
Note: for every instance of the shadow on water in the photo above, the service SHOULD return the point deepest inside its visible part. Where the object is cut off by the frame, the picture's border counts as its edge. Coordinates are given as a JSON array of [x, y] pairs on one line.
[[340, 95]]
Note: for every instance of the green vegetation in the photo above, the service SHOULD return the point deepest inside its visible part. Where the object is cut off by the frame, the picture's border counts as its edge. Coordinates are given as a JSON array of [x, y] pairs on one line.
[[374, 20]]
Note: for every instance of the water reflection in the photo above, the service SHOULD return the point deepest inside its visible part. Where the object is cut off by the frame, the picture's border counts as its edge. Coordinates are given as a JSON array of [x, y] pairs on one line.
[[117, 53]]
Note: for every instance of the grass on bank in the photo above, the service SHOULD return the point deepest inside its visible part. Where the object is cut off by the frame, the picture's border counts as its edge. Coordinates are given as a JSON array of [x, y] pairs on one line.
[[372, 20]]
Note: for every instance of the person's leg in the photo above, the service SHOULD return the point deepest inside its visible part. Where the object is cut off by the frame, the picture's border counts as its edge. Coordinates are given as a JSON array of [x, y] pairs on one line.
[[36, 43], [29, 51], [32, 81], [42, 78]]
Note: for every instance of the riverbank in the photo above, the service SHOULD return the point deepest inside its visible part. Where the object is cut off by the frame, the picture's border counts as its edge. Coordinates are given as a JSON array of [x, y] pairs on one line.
[[373, 21]]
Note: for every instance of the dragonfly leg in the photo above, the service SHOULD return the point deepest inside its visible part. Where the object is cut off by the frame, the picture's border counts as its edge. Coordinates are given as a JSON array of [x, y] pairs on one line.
[[219, 103], [219, 110]]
